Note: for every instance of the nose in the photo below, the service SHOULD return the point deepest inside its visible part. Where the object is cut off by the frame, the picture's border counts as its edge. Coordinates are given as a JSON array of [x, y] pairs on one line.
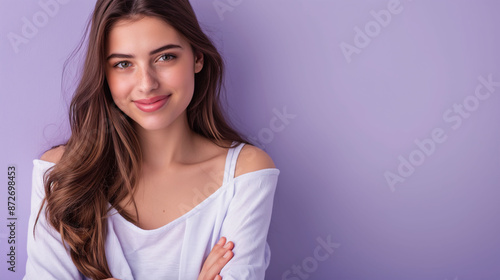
[[148, 80]]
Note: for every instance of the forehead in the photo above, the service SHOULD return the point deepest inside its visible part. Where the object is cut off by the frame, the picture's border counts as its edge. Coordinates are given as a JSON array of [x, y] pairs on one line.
[[142, 35]]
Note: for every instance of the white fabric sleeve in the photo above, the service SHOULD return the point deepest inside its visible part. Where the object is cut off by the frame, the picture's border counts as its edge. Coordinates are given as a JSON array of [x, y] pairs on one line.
[[247, 223], [48, 258]]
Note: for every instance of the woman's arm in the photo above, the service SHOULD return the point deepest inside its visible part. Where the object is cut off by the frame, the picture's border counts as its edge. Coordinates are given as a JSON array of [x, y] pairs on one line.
[[249, 214], [48, 258]]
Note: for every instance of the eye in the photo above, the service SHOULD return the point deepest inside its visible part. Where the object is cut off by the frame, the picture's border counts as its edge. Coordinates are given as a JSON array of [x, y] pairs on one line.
[[166, 57], [122, 64]]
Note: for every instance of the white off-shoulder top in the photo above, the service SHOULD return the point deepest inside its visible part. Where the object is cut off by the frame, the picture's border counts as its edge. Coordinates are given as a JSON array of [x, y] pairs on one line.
[[240, 210]]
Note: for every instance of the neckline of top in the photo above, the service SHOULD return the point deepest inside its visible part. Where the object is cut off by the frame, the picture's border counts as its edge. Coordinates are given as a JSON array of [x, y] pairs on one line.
[[231, 157]]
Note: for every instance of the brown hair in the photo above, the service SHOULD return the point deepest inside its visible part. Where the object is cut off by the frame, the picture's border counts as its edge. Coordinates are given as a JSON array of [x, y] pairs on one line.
[[102, 159]]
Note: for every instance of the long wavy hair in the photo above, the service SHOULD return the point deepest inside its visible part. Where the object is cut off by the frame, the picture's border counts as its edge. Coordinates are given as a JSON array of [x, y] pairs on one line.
[[102, 159]]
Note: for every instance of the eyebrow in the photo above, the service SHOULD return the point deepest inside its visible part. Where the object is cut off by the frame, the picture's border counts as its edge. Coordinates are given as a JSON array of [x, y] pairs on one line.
[[160, 49]]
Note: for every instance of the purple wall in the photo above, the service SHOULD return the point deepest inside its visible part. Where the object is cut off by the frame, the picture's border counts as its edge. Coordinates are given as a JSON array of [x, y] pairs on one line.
[[381, 115]]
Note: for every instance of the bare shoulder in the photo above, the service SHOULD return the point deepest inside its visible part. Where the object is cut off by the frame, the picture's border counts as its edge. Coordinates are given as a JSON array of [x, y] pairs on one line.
[[251, 159], [54, 154]]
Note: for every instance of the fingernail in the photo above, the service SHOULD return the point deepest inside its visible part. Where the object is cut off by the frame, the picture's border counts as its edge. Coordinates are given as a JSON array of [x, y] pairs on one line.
[[227, 245], [221, 241], [226, 255]]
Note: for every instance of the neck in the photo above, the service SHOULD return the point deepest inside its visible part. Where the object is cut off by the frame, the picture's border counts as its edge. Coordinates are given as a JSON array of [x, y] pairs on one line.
[[167, 147]]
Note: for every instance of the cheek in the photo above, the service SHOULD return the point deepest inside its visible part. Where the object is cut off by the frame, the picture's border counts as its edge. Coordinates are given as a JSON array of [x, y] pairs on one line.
[[180, 79], [120, 88]]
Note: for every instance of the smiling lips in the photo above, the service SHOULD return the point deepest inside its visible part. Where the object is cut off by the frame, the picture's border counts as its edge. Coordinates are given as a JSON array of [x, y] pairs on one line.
[[151, 104]]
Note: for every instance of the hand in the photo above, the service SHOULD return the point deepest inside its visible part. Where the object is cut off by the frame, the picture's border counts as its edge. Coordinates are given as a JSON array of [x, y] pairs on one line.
[[216, 260]]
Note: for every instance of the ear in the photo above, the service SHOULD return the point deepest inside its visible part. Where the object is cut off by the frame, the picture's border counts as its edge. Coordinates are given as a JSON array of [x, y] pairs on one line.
[[198, 62]]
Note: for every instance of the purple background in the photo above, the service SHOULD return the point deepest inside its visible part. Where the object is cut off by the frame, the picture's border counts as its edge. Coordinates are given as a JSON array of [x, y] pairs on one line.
[[354, 118]]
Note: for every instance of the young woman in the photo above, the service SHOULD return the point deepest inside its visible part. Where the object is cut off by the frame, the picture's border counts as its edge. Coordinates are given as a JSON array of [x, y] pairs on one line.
[[152, 179]]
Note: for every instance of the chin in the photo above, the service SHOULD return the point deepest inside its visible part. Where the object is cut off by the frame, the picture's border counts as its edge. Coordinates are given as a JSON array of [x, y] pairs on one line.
[[160, 121], [152, 126]]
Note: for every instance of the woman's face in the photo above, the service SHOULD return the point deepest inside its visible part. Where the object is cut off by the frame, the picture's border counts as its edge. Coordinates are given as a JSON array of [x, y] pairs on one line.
[[150, 70]]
